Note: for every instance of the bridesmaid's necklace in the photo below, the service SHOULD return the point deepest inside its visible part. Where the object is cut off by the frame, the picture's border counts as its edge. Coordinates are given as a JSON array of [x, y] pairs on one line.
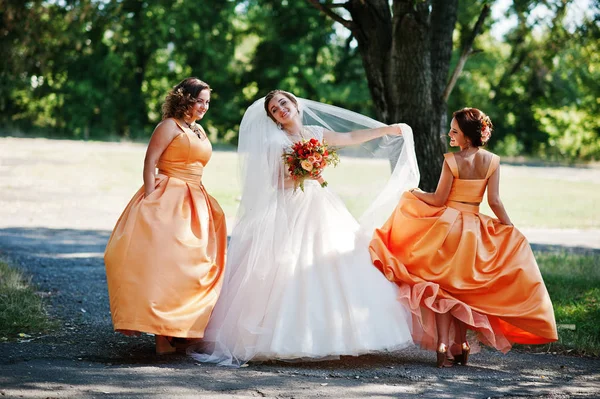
[[194, 128]]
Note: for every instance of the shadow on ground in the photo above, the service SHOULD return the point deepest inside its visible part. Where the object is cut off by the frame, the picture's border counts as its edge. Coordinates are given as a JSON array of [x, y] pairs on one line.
[[85, 358]]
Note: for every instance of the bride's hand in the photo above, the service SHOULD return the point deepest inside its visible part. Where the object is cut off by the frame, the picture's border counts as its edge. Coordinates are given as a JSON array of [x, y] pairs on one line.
[[397, 129], [318, 178]]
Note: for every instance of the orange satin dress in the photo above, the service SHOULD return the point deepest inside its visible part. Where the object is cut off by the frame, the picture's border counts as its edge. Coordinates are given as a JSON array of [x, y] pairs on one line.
[[166, 256], [454, 259]]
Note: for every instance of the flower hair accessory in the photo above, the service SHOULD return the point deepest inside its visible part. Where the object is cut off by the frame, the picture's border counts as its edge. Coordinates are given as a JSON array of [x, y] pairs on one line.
[[486, 129]]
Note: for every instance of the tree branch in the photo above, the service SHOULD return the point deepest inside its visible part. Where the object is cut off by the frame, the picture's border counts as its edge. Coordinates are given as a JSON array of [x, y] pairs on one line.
[[327, 10], [466, 52]]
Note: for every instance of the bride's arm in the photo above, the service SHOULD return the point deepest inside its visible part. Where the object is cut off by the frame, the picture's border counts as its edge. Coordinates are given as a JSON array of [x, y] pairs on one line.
[[360, 136]]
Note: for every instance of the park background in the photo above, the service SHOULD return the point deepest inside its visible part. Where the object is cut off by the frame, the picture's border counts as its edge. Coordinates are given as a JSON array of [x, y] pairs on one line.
[[100, 69], [82, 83]]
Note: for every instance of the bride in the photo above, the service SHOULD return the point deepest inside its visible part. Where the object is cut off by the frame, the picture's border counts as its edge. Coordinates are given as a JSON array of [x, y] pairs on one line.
[[299, 279]]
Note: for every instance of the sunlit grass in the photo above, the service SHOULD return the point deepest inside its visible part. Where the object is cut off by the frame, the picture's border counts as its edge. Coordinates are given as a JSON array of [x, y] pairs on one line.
[[553, 202], [531, 200], [21, 309], [541, 197], [573, 282]]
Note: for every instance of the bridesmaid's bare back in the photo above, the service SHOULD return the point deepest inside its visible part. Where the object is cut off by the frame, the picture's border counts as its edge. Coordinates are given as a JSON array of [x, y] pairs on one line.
[[473, 166]]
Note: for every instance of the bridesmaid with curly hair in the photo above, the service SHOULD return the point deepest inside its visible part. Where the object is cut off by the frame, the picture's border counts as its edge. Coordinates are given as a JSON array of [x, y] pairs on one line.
[[458, 269], [165, 257]]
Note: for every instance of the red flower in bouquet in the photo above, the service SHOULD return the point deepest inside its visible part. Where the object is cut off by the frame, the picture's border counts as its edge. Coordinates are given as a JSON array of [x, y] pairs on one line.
[[308, 158]]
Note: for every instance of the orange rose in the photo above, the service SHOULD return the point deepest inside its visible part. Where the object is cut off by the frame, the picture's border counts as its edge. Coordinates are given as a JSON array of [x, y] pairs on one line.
[[307, 165]]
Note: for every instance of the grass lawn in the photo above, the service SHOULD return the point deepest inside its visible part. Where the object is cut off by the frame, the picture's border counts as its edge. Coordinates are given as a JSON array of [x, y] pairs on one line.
[[21, 309], [540, 199], [551, 197], [554, 201], [573, 282]]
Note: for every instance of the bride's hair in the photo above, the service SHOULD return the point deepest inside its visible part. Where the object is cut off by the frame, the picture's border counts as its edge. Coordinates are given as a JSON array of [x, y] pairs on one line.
[[272, 94], [182, 97], [474, 124]]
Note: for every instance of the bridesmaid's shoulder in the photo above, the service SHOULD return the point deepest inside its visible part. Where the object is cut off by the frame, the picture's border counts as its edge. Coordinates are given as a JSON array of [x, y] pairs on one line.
[[167, 127], [488, 154], [167, 123], [448, 155]]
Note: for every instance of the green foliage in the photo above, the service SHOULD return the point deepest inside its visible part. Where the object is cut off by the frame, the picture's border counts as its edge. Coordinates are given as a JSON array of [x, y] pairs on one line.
[[101, 69], [572, 133], [296, 48], [509, 146], [89, 69], [539, 85]]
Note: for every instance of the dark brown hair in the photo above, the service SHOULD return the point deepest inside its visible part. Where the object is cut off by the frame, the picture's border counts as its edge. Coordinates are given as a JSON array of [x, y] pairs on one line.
[[182, 97], [272, 94], [474, 124]]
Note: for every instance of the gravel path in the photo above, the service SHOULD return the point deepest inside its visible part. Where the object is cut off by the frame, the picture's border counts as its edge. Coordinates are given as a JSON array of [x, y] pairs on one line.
[[61, 246]]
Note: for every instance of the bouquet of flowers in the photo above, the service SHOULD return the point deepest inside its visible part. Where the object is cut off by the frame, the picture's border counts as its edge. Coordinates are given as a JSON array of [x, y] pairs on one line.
[[308, 158]]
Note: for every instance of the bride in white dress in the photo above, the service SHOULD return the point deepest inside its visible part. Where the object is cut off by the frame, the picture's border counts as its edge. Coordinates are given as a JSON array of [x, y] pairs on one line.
[[299, 281]]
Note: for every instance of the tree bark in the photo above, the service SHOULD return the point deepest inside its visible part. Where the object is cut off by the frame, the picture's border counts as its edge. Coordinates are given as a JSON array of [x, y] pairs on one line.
[[372, 28], [443, 20], [412, 85], [406, 53]]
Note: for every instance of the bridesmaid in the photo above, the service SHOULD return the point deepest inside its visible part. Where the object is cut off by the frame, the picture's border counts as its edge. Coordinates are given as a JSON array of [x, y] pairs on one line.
[[165, 257], [458, 269]]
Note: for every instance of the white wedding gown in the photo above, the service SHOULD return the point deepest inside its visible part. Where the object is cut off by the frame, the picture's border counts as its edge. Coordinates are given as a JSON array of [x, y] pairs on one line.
[[309, 291]]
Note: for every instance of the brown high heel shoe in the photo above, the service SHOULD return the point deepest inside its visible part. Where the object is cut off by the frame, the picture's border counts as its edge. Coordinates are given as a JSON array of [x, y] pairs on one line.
[[463, 357], [466, 350], [442, 357], [164, 345]]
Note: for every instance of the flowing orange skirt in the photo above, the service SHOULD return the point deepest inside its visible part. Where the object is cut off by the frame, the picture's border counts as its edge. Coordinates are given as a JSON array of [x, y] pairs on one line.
[[453, 260], [165, 260]]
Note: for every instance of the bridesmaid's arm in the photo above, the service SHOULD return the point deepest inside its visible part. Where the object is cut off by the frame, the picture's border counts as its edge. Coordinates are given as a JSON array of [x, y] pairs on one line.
[[360, 136], [442, 191], [493, 198], [164, 133]]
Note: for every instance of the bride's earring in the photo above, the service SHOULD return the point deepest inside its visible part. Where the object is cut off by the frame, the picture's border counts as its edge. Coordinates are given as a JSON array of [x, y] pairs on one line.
[[279, 126]]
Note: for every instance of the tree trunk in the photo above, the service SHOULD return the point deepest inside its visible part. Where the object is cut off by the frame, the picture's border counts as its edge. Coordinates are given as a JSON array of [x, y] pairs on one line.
[[406, 59], [372, 28], [418, 60], [443, 19]]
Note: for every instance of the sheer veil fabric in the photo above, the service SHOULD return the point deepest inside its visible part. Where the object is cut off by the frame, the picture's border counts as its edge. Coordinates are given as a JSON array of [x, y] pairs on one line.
[[299, 280]]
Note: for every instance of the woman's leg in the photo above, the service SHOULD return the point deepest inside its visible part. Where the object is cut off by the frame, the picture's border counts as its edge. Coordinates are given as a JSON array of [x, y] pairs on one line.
[[463, 358], [462, 331], [443, 321], [461, 337]]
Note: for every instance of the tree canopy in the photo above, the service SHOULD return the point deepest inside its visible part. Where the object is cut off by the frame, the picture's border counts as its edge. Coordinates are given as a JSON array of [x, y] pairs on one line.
[[100, 69]]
